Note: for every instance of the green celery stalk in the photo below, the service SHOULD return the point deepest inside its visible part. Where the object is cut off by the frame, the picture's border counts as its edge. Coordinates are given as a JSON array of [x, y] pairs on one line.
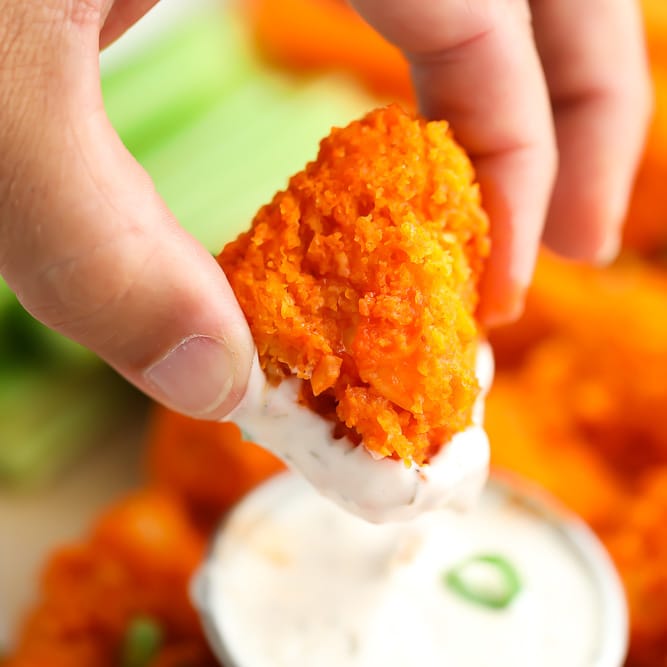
[[141, 643], [48, 419], [289, 143], [56, 398], [217, 128], [180, 75], [6, 294], [26, 342], [217, 172]]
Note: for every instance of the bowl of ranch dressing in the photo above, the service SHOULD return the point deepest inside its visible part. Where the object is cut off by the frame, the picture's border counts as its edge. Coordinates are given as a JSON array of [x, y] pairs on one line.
[[292, 580]]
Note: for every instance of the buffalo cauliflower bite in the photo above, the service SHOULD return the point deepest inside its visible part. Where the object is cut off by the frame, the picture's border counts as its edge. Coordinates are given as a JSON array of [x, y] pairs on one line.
[[361, 279]]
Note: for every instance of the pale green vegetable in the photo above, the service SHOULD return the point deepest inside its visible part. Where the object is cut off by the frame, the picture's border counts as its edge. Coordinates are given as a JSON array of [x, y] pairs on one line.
[[488, 580], [48, 417], [218, 129], [143, 638]]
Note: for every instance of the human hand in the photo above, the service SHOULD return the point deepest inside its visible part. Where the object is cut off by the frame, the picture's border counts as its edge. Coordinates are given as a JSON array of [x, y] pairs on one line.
[[92, 251], [554, 116], [85, 241]]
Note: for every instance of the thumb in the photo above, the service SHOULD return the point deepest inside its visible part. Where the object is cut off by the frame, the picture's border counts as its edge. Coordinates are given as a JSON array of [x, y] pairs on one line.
[[86, 243]]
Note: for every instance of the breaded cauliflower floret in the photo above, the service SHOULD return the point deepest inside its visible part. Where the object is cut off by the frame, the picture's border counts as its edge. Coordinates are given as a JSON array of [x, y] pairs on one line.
[[361, 279], [638, 544]]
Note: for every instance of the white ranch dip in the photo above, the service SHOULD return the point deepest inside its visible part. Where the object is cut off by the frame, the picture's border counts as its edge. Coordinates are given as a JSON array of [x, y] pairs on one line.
[[377, 489], [294, 581]]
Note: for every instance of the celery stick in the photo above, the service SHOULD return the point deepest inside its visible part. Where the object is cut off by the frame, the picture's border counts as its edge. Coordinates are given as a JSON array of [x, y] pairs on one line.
[[217, 137], [217, 128], [47, 419], [186, 70], [6, 294], [220, 169], [26, 342], [55, 396], [290, 142], [206, 154], [142, 641]]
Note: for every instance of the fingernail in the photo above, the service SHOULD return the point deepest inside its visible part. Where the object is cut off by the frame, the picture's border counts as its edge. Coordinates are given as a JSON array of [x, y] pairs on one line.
[[609, 250], [505, 308], [195, 377]]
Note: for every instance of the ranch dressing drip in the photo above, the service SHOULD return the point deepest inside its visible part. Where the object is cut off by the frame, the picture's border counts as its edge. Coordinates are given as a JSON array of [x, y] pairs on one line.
[[378, 490], [294, 581]]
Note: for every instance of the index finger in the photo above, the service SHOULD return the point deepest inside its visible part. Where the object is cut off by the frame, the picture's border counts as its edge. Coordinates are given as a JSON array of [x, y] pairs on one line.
[[476, 65], [594, 59]]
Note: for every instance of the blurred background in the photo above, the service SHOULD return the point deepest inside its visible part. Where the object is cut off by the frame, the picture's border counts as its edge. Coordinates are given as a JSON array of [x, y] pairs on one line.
[[222, 105]]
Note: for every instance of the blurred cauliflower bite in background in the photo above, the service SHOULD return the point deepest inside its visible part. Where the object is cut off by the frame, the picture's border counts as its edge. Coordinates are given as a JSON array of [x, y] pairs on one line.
[[361, 280]]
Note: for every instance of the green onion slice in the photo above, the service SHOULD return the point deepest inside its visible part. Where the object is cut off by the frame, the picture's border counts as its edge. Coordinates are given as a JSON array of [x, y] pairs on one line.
[[142, 642], [489, 580]]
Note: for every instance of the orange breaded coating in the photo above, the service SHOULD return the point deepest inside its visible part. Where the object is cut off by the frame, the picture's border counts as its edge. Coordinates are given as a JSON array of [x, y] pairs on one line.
[[207, 465], [592, 348], [532, 436], [655, 26], [323, 35], [646, 224], [638, 545], [361, 279]]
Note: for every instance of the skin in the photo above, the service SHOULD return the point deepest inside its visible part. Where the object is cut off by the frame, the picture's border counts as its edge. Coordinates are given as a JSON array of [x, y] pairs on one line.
[[551, 99]]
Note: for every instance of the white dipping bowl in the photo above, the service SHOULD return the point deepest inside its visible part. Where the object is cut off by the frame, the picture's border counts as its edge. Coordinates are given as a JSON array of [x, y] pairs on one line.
[[292, 580]]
